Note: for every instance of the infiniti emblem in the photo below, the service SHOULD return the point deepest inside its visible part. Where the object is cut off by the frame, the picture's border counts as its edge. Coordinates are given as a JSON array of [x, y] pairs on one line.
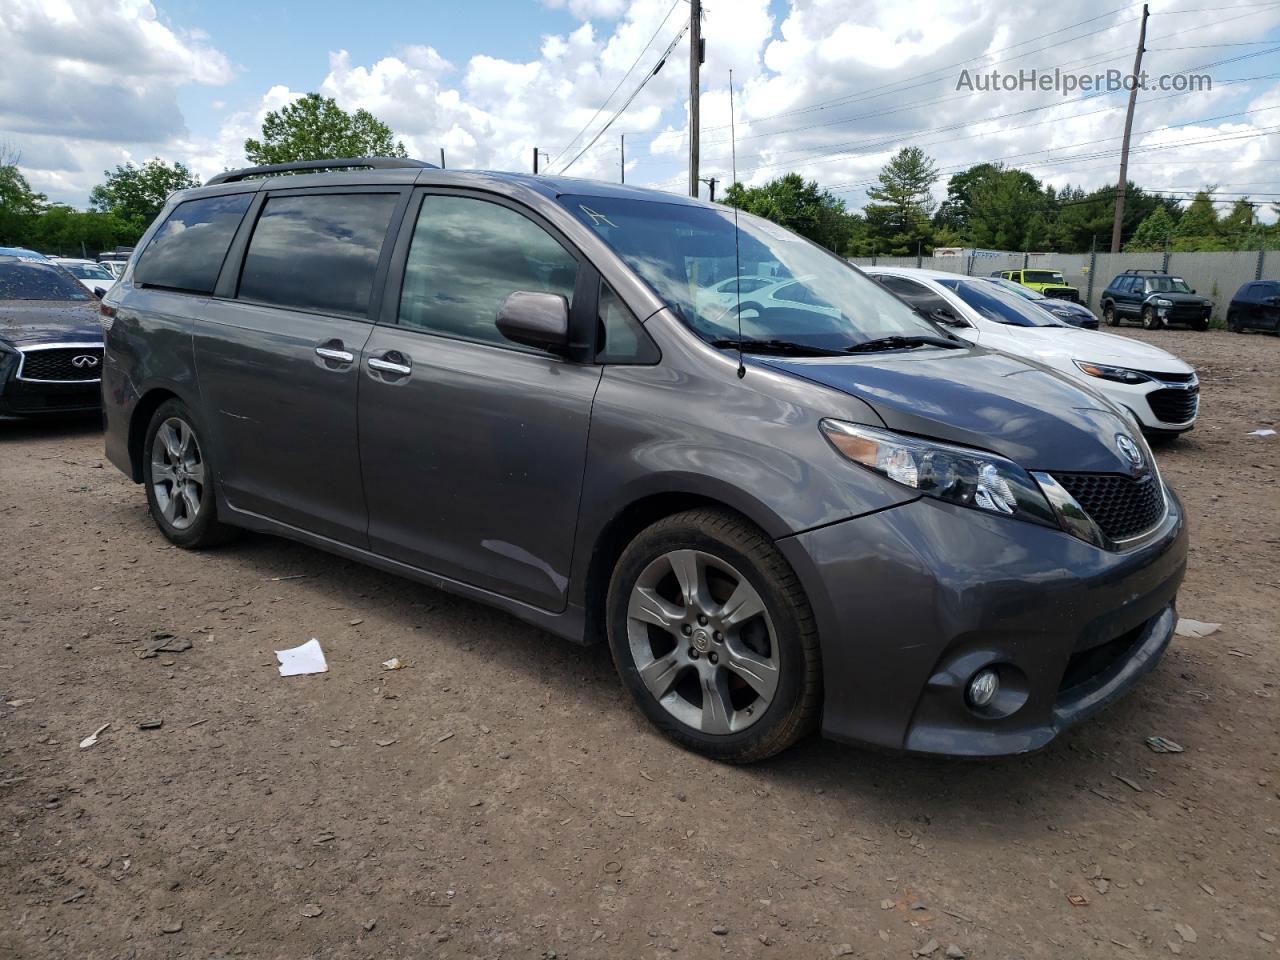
[[1130, 451], [83, 361]]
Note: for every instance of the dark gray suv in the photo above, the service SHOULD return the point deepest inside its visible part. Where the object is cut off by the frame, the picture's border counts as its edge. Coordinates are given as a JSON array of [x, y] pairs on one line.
[[787, 500]]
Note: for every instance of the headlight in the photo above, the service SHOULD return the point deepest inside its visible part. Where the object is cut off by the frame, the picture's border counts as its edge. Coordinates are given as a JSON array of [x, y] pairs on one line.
[[1161, 302], [1118, 374], [959, 475]]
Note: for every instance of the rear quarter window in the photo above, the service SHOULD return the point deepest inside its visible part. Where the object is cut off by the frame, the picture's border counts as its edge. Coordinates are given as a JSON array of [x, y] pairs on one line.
[[187, 251]]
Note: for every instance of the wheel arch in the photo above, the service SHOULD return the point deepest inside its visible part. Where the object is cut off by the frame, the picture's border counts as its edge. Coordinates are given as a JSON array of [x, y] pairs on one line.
[[628, 520], [150, 401]]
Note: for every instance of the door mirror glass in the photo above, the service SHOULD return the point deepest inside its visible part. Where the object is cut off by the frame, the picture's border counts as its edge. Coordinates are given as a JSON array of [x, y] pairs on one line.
[[536, 320]]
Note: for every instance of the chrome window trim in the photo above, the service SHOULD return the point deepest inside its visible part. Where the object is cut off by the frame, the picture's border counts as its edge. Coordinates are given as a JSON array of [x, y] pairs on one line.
[[23, 351]]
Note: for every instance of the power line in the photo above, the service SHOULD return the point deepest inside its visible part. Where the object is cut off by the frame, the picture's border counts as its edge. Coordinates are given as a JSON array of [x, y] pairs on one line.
[[634, 64], [635, 93]]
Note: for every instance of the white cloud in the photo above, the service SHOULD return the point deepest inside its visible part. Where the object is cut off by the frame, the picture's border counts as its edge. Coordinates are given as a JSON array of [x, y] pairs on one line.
[[590, 9]]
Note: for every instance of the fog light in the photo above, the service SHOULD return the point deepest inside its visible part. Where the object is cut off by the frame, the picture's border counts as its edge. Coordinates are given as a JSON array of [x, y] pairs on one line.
[[983, 687]]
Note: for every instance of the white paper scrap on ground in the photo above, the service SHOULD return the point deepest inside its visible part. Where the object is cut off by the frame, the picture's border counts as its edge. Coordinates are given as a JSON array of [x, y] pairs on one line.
[[1262, 433], [1195, 628], [308, 658]]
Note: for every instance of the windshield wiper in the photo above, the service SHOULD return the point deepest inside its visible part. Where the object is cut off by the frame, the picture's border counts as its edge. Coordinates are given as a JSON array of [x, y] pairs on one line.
[[781, 347], [901, 343]]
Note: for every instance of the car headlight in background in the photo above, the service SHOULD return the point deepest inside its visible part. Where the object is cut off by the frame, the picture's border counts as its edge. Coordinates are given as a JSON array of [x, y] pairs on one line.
[[1117, 374], [970, 478]]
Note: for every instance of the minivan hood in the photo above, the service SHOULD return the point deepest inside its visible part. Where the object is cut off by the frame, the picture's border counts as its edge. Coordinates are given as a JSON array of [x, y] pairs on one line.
[[49, 321], [979, 398]]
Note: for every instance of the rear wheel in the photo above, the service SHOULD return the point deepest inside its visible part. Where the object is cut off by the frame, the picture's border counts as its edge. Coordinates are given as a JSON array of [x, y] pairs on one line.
[[1109, 315], [714, 638], [1149, 319], [180, 480], [1233, 323]]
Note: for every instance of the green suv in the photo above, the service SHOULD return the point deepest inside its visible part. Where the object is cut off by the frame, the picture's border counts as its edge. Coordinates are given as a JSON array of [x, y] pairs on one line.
[[1050, 283]]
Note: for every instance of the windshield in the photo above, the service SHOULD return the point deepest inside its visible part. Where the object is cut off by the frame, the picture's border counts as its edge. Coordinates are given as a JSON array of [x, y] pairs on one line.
[[1025, 292], [89, 271], [1167, 285], [30, 280], [791, 289], [1042, 276], [998, 306]]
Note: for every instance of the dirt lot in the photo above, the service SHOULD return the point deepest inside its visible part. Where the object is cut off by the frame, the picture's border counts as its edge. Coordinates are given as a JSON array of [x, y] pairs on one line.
[[500, 798]]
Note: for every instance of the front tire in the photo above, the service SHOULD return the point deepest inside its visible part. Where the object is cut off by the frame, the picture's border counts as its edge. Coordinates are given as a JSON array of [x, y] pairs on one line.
[[1109, 315], [714, 638], [1149, 319], [1233, 323], [180, 479]]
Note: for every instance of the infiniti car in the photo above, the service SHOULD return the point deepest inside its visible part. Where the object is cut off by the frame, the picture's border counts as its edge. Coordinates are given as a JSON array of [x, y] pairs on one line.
[[831, 514], [50, 341]]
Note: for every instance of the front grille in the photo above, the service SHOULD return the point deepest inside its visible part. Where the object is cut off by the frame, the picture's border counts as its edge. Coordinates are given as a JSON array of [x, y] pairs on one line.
[[1187, 312], [65, 364], [1121, 506], [1063, 295], [1174, 405], [1170, 377]]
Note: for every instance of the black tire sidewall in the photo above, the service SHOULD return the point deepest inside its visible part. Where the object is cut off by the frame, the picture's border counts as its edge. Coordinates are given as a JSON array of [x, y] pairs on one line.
[[755, 741], [1109, 315], [206, 528], [1149, 319]]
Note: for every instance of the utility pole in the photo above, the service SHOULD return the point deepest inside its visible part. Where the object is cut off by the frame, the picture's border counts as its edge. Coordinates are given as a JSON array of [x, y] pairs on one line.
[[622, 164], [711, 182], [695, 65], [1122, 186], [535, 161]]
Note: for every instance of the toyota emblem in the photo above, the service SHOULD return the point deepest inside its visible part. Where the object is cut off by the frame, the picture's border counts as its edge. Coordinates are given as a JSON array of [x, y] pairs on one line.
[[84, 361], [1130, 450]]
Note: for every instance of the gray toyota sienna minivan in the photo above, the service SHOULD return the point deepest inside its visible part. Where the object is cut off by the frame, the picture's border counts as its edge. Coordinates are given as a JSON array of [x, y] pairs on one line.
[[785, 498]]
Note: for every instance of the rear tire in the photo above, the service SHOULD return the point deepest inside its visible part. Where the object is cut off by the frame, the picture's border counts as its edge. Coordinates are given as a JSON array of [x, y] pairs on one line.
[[180, 479], [714, 638], [1149, 319], [1233, 323], [1109, 315]]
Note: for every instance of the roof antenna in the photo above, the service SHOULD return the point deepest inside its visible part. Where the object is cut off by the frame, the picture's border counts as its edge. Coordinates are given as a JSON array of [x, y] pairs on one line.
[[737, 256]]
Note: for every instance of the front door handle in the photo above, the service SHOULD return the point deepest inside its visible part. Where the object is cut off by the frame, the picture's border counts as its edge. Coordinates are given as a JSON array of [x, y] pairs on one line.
[[390, 365], [333, 350]]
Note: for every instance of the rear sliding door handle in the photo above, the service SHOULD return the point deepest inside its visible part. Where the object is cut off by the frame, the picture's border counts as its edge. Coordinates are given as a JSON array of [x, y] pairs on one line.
[[389, 367], [332, 353]]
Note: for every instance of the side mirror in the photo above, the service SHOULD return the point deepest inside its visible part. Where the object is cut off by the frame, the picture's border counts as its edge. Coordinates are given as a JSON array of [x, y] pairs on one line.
[[99, 292], [536, 320], [946, 317], [1193, 289]]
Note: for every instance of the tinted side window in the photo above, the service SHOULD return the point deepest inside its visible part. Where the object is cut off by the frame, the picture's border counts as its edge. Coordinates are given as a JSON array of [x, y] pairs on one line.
[[467, 256], [619, 336], [187, 251], [318, 251], [916, 294]]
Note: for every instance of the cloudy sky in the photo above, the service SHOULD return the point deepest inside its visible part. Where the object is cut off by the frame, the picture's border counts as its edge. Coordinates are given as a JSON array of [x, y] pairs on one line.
[[828, 88]]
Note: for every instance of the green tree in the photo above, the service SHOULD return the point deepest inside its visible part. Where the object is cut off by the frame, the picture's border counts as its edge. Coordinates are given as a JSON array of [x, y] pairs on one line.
[[956, 210], [1006, 211], [901, 206], [798, 205], [1153, 233], [1198, 227], [316, 128], [20, 206], [134, 195], [63, 231]]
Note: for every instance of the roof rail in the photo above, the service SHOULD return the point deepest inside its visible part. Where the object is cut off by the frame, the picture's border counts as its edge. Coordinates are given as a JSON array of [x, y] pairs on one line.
[[1143, 270], [340, 163]]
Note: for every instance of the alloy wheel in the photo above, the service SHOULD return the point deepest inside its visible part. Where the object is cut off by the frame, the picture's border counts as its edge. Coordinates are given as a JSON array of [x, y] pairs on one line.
[[177, 473], [703, 642]]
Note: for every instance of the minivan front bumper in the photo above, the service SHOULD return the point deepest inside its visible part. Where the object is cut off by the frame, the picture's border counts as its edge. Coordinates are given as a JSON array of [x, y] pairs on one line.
[[914, 600]]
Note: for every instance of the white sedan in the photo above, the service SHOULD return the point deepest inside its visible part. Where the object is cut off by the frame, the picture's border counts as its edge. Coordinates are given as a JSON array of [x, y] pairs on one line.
[[91, 274], [1161, 391]]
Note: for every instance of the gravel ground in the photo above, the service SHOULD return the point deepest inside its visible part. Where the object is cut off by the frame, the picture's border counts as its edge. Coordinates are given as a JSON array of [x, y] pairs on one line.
[[500, 798]]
